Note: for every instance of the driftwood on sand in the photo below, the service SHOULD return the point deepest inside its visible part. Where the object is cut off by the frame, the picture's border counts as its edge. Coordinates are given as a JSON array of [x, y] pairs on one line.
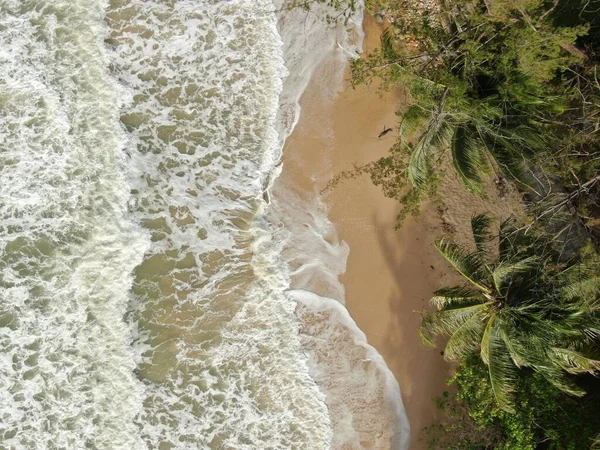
[[384, 132]]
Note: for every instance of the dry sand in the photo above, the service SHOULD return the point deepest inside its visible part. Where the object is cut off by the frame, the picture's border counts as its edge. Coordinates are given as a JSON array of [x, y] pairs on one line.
[[390, 274]]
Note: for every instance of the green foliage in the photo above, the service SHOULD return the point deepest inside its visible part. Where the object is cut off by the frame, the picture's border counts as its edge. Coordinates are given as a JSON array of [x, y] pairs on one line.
[[543, 416], [507, 85], [521, 309]]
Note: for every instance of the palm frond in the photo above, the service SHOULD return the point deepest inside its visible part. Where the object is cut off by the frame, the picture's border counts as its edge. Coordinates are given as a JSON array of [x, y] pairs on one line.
[[419, 164], [592, 332], [587, 290], [501, 371], [458, 295], [526, 346], [506, 152], [467, 156], [437, 133], [412, 121], [480, 225], [511, 241], [466, 339], [447, 321], [558, 379], [485, 340], [503, 274], [387, 45], [468, 264], [528, 137], [518, 353], [574, 362]]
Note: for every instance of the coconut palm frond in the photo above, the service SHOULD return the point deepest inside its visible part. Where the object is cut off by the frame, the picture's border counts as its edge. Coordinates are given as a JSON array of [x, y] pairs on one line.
[[528, 137], [504, 273], [574, 362], [465, 340], [556, 377], [419, 165], [468, 264], [506, 152], [501, 370], [519, 354], [467, 156], [458, 295], [591, 332], [413, 120], [485, 340], [511, 242], [438, 132], [480, 225], [447, 321], [525, 346]]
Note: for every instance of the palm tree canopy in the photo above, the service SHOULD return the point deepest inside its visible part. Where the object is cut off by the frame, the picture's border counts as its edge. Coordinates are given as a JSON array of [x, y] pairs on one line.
[[517, 310]]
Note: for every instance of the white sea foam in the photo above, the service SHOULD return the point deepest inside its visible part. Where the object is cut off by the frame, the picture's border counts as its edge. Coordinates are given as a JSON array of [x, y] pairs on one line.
[[308, 41], [223, 366], [362, 394], [66, 249]]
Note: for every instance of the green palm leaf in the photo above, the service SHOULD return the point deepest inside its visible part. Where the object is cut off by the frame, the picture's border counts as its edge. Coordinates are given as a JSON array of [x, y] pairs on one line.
[[501, 370], [480, 225], [452, 296], [467, 156], [526, 349], [447, 321], [465, 340], [504, 273], [413, 120], [573, 361], [468, 264], [438, 132], [387, 45], [558, 379], [587, 289]]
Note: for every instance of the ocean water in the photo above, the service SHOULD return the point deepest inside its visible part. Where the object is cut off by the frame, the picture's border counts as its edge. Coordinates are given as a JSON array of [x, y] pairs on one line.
[[148, 276]]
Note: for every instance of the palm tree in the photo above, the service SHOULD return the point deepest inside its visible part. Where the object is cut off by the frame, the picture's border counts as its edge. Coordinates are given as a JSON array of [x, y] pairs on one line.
[[520, 309], [488, 118], [480, 133]]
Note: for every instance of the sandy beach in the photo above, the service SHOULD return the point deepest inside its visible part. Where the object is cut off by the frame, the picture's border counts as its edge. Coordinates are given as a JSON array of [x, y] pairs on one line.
[[390, 274]]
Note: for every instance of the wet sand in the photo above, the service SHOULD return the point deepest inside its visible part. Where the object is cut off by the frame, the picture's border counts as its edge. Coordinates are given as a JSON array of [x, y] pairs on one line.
[[390, 274]]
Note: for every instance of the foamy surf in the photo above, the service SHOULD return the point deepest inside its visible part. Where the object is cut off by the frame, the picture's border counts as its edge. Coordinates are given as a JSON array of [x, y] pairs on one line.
[[223, 367], [142, 277], [67, 249], [362, 395]]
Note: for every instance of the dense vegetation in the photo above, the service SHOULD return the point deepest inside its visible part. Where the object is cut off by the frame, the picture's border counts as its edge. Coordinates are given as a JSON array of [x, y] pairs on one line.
[[523, 329], [509, 88]]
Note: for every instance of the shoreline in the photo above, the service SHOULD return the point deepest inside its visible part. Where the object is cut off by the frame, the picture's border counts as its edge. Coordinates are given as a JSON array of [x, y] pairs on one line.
[[345, 245], [386, 276], [383, 290], [389, 277]]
